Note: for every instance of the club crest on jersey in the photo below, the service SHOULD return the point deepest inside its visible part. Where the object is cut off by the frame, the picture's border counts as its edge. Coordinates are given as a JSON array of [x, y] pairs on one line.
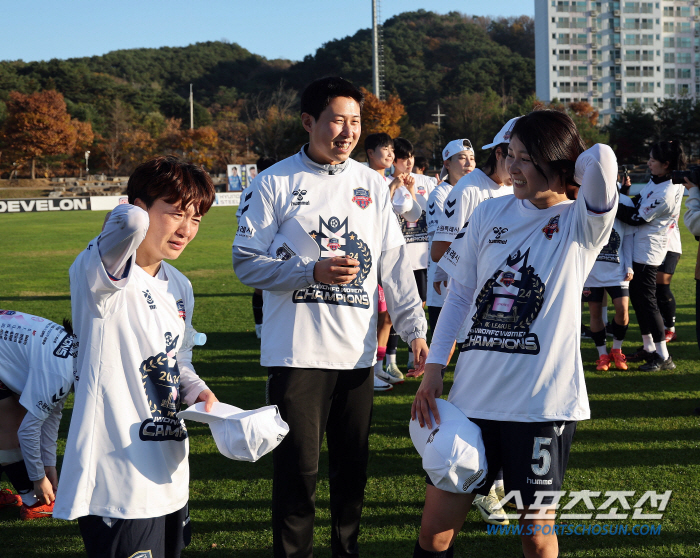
[[334, 238], [421, 190], [181, 309], [586, 291], [506, 307], [7, 312], [551, 227], [149, 299], [160, 377], [361, 198]]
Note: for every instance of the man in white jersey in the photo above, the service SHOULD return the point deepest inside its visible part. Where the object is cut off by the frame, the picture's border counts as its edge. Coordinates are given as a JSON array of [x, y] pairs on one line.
[[520, 376], [319, 334], [37, 360], [125, 473]]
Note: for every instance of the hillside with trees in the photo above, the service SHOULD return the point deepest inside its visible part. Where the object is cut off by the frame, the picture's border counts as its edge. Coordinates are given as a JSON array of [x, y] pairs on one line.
[[128, 105]]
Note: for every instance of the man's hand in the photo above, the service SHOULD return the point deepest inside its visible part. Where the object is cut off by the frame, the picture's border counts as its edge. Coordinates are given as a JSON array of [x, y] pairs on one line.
[[209, 399], [339, 270], [437, 285], [429, 389], [628, 277], [420, 353], [44, 491]]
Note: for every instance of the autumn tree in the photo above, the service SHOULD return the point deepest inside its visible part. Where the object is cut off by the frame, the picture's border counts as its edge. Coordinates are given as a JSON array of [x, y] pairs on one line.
[[380, 116], [37, 125], [274, 126]]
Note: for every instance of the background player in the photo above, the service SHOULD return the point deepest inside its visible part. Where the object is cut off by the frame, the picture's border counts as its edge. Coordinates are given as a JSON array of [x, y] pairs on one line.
[[520, 298], [611, 272], [653, 212], [415, 233], [37, 362], [125, 473]]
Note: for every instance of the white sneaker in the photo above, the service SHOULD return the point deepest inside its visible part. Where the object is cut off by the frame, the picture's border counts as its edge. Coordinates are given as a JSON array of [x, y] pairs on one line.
[[392, 374], [487, 508], [501, 493], [258, 331], [381, 385]]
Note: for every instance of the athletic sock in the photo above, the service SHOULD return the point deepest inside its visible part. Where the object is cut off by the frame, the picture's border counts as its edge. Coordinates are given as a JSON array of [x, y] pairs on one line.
[[605, 314], [661, 350], [667, 305], [619, 333], [379, 367], [649, 345], [393, 342], [17, 473], [381, 353], [617, 344], [258, 308], [599, 340], [418, 552]]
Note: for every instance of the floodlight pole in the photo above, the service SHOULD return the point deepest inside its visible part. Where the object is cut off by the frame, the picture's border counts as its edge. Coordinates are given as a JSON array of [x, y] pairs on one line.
[[191, 109], [375, 51]]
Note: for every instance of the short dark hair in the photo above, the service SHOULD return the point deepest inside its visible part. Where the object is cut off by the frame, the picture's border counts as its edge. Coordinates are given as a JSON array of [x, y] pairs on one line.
[[171, 180], [265, 163], [670, 152], [318, 94], [377, 141], [551, 138], [403, 148], [421, 163], [492, 162]]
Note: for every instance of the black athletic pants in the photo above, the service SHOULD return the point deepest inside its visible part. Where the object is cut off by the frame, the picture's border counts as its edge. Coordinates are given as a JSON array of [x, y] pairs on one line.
[[314, 401], [643, 297]]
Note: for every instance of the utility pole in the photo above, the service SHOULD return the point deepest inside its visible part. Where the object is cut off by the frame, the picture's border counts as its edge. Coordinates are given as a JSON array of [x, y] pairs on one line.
[[439, 116], [192, 109], [377, 53]]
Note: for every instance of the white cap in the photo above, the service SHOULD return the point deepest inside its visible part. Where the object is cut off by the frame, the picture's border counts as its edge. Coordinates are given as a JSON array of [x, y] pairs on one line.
[[453, 452], [452, 148], [504, 135], [292, 240], [456, 146], [241, 435]]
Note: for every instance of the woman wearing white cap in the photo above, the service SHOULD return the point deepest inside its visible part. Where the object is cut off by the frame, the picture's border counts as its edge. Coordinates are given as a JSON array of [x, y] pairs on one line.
[[520, 377]]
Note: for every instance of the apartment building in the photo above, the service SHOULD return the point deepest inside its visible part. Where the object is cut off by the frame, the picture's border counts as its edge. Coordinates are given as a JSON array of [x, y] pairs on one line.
[[612, 54]]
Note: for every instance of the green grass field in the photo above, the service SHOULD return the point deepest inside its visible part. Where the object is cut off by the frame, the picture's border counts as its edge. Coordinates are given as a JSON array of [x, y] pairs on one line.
[[643, 435]]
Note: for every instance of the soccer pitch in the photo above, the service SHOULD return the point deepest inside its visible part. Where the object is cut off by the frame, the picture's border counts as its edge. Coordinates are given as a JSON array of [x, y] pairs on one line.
[[642, 437]]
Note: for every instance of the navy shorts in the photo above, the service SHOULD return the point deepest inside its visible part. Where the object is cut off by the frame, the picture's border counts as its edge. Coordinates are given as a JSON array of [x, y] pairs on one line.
[[5, 392], [595, 294], [421, 276], [533, 456], [670, 262], [155, 537]]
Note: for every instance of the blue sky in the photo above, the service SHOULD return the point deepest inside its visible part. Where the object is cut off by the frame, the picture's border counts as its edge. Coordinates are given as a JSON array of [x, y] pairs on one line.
[[45, 29]]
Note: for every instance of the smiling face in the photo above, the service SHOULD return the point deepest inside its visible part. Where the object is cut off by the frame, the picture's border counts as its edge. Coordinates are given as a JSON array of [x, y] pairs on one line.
[[460, 165], [170, 229], [381, 158], [528, 182], [656, 167], [334, 135]]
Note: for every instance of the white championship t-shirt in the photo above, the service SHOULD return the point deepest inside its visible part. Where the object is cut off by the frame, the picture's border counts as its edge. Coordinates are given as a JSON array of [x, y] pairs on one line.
[[37, 360], [126, 453], [521, 359], [468, 193], [615, 258], [659, 206], [322, 326], [415, 234], [674, 234], [436, 205]]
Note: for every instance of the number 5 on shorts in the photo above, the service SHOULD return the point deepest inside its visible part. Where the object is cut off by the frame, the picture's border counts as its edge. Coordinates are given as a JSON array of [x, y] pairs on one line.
[[539, 452]]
